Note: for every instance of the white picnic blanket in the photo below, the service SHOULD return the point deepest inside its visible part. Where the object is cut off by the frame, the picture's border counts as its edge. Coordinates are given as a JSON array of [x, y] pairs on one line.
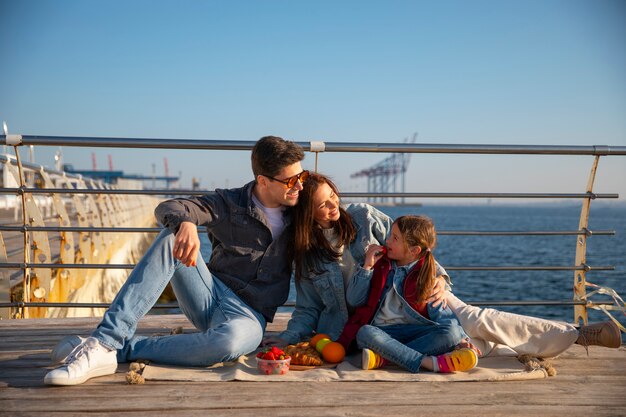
[[497, 368]]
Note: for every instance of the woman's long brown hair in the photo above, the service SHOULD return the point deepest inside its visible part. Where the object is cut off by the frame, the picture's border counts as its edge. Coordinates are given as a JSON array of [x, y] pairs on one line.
[[311, 248], [420, 231]]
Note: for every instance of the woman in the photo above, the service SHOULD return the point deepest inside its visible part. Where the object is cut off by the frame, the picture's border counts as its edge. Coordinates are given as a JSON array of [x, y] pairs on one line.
[[330, 245]]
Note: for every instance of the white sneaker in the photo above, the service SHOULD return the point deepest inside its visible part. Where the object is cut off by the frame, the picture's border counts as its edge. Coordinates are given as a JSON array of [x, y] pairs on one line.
[[88, 360], [65, 346]]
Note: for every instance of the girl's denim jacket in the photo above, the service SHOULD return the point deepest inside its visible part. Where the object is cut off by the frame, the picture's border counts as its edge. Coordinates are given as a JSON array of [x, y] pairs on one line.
[[320, 296], [359, 287]]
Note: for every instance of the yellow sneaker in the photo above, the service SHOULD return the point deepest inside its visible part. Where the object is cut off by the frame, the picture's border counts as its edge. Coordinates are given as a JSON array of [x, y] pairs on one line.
[[460, 360], [372, 360]]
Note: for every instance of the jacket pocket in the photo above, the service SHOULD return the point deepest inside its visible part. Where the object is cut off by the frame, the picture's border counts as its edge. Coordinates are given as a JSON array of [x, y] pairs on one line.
[[326, 291], [244, 231]]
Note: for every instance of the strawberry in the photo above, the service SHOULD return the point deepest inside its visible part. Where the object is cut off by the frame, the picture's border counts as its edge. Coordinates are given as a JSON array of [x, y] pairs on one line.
[[269, 356]]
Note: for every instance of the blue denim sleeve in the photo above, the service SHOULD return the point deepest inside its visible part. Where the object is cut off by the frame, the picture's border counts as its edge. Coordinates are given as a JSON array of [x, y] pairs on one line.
[[359, 287], [381, 225], [372, 226], [442, 315]]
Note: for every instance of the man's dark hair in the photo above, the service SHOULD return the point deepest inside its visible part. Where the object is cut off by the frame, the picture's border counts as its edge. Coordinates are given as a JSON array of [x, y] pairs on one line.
[[271, 154]]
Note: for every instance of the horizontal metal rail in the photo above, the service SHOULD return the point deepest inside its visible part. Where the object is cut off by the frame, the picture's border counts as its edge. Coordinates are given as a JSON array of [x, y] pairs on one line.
[[27, 228], [20, 304], [313, 146], [24, 265], [532, 268], [592, 196], [27, 190], [526, 233], [24, 190], [586, 232]]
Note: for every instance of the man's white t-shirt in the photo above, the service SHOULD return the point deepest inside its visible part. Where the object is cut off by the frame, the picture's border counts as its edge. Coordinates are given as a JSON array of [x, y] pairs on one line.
[[274, 217]]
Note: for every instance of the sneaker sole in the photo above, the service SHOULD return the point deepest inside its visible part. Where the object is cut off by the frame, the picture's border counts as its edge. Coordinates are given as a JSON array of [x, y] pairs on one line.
[[106, 370], [475, 361], [364, 361]]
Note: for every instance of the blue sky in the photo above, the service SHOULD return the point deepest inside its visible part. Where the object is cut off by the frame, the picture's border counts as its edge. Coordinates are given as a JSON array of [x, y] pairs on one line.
[[495, 72]]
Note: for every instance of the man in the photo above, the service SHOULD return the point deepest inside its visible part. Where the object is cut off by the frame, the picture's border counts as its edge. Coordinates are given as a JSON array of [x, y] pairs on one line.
[[229, 300]]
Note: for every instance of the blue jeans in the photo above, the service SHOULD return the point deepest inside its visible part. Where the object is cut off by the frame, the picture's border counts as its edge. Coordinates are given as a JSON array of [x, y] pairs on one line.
[[406, 344], [228, 327]]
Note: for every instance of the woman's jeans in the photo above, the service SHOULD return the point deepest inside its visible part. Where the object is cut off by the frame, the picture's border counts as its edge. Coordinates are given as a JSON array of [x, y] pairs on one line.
[[228, 327], [406, 344]]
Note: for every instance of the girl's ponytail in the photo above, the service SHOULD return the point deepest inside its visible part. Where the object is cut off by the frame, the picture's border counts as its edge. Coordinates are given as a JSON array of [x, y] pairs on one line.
[[426, 277], [419, 231]]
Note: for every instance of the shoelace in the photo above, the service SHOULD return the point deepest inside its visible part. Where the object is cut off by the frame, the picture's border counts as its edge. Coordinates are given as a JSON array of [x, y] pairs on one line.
[[78, 352], [589, 334]]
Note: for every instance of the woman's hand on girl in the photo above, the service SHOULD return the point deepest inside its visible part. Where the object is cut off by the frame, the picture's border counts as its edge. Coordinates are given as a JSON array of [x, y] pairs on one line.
[[439, 294]]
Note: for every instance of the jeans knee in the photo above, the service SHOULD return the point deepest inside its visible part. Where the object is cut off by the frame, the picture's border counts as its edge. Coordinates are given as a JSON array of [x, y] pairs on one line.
[[365, 334], [162, 246], [239, 341], [453, 333]]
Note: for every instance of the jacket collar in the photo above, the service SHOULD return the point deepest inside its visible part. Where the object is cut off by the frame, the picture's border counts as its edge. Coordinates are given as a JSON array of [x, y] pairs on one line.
[[255, 211]]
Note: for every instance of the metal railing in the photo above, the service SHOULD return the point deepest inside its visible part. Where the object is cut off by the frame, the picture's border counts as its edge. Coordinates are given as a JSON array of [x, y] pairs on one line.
[[94, 224]]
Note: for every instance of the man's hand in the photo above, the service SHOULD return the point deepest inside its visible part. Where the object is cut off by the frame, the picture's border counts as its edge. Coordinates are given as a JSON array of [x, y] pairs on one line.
[[187, 244], [439, 293]]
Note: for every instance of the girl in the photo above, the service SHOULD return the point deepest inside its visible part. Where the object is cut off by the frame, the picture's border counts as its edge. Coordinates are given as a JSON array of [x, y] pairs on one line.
[[406, 329]]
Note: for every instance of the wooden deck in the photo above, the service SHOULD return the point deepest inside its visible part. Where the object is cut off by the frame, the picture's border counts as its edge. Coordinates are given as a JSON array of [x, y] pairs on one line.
[[584, 386]]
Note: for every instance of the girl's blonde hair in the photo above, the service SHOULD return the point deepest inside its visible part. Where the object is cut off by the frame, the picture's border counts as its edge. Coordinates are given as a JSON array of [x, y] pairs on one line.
[[420, 231]]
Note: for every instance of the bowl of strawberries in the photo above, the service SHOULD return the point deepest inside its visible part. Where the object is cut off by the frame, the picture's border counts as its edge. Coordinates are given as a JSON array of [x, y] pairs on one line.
[[273, 361]]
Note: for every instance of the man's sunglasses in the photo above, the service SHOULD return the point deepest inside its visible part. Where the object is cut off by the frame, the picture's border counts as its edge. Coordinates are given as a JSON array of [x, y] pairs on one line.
[[291, 181]]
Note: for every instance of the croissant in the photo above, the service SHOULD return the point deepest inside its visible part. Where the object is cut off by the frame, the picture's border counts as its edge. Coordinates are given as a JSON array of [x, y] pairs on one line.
[[303, 354]]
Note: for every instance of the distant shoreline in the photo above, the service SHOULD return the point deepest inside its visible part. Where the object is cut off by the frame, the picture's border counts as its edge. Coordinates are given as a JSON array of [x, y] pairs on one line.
[[568, 203]]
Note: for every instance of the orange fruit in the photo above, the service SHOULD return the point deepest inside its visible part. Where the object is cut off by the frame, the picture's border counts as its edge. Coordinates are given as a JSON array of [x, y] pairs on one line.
[[333, 352], [317, 338]]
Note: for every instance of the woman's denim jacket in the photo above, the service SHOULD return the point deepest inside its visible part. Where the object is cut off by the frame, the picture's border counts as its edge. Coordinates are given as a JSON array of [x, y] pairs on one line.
[[359, 287], [320, 297]]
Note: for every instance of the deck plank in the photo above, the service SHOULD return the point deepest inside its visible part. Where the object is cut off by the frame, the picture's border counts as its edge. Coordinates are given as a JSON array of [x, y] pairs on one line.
[[585, 385]]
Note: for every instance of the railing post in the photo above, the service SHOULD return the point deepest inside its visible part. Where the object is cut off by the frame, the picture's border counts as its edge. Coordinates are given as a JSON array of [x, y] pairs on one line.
[[5, 283], [317, 147], [580, 283], [37, 281]]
